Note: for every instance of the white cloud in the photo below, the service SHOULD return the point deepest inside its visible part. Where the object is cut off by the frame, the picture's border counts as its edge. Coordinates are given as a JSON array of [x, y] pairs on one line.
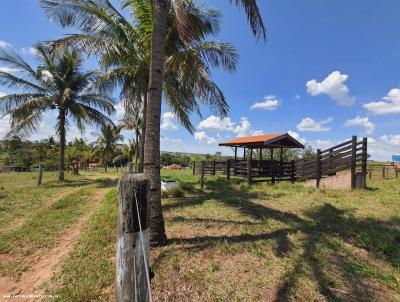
[[393, 140], [166, 139], [2, 94], [257, 132], [310, 125], [388, 105], [333, 86], [216, 123], [29, 51], [323, 143], [297, 136], [168, 121], [296, 97], [361, 121], [243, 129], [270, 102], [4, 44], [9, 69], [119, 110], [202, 137]]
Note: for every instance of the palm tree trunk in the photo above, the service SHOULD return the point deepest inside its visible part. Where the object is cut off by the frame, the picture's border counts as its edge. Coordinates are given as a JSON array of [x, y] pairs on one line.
[[137, 138], [143, 131], [61, 118], [152, 140]]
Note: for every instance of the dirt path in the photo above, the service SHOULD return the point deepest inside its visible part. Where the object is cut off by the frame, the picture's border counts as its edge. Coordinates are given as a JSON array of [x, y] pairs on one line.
[[48, 263]]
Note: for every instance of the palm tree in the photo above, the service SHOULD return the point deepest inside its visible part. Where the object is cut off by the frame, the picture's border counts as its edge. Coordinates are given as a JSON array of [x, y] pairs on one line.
[[125, 48], [108, 144], [158, 48], [58, 83]]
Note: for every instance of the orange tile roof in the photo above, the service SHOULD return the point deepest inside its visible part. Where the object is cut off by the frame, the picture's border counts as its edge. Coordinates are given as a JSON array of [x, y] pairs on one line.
[[253, 139]]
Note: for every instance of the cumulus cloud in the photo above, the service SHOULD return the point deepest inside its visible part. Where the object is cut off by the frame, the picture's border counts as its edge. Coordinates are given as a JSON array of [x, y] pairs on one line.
[[334, 87], [361, 121], [297, 136], [388, 105], [309, 125], [4, 44], [29, 51], [168, 121], [393, 140], [270, 102], [202, 137], [166, 139], [216, 123]]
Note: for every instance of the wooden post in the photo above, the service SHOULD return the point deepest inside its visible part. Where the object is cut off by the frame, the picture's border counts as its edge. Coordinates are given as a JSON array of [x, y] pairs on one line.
[[318, 168], [202, 175], [132, 261], [194, 168], [292, 171], [370, 173], [234, 163], [260, 162], [249, 168], [353, 161], [40, 175], [228, 169], [213, 167], [244, 153], [383, 172], [396, 170], [129, 168], [272, 165]]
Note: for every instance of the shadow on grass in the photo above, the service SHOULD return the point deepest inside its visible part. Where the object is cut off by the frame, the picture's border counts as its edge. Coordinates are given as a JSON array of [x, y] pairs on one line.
[[379, 238]]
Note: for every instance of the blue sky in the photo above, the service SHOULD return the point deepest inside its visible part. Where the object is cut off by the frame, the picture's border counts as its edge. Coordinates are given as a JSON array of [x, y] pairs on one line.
[[328, 70]]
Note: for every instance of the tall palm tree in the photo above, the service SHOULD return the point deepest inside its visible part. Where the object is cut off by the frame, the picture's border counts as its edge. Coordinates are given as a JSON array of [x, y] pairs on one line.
[[158, 48], [108, 144], [57, 83], [125, 47]]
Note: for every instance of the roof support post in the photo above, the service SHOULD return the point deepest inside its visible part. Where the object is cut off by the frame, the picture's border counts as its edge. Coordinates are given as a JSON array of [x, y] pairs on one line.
[[272, 165], [244, 153]]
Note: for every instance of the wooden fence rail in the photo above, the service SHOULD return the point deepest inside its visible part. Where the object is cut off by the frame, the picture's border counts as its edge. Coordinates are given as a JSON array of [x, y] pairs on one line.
[[350, 155]]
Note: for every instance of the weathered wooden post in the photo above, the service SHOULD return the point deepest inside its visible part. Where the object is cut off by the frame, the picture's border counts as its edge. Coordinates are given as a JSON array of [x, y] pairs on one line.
[[318, 168], [194, 168], [353, 161], [292, 171], [40, 175], [228, 169], [129, 167], [132, 261], [383, 172], [213, 167], [202, 175], [249, 168], [396, 170], [370, 173]]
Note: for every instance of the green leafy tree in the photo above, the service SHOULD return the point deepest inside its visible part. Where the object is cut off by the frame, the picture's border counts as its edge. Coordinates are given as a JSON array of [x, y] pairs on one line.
[[108, 144], [58, 83]]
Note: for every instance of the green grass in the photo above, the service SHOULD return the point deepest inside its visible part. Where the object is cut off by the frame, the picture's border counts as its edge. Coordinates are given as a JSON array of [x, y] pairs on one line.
[[89, 270], [234, 242]]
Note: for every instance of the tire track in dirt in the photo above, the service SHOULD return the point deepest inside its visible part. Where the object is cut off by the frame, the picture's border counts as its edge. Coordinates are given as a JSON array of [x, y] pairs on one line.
[[48, 263]]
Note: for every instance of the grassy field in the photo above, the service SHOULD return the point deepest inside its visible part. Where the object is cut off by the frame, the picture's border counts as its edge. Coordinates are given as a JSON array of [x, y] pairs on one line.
[[230, 242]]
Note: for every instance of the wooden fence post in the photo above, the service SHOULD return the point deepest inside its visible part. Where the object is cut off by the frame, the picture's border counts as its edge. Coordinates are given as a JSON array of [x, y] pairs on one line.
[[353, 161], [40, 175], [194, 168], [370, 173], [249, 170], [228, 169], [213, 167], [396, 170], [292, 171], [383, 172], [318, 168], [132, 261], [202, 175]]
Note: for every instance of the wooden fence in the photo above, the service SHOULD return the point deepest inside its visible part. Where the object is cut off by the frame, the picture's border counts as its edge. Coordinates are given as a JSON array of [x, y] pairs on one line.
[[350, 155], [383, 171]]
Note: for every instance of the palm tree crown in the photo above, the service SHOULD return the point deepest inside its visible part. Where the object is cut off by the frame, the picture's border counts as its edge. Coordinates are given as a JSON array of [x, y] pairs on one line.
[[57, 83]]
